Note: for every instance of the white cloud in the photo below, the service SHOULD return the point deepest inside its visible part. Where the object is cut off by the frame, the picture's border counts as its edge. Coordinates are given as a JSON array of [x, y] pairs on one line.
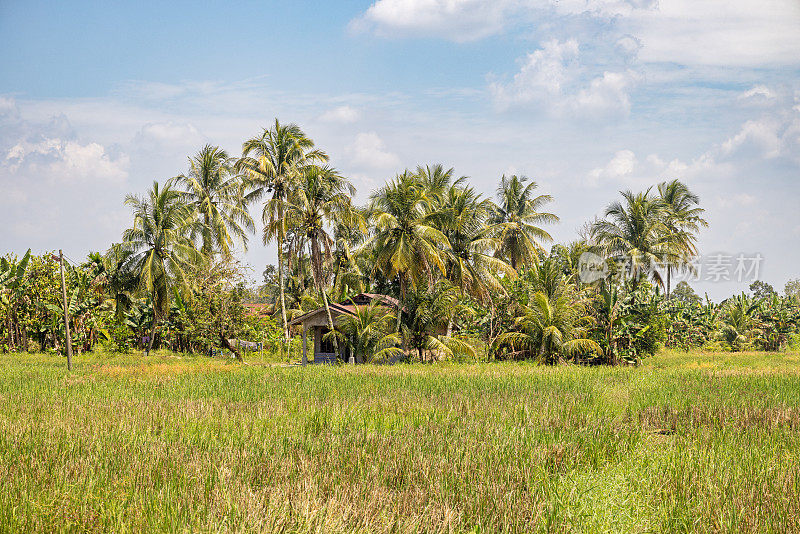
[[627, 170], [342, 114], [58, 160], [606, 95], [368, 150], [719, 32], [629, 45], [759, 92], [771, 136], [761, 135], [550, 78], [57, 187], [621, 165], [711, 32], [8, 108], [470, 20], [455, 20]]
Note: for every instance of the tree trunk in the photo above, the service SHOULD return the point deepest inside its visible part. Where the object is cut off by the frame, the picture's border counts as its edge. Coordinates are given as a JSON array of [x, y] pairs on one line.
[[226, 344], [206, 237], [330, 323], [316, 260], [152, 336], [153, 326], [669, 272], [402, 301], [280, 284]]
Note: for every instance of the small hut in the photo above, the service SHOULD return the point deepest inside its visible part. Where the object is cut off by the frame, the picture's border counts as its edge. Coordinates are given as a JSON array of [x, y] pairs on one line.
[[317, 322]]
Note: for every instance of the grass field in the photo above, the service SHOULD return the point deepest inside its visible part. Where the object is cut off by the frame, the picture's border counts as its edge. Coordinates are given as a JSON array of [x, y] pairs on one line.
[[687, 442]]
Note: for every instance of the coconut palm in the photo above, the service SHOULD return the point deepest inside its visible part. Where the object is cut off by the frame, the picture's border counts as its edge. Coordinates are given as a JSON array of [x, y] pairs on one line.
[[518, 216], [682, 219], [634, 233], [463, 217], [117, 280], [405, 245], [552, 327], [368, 333], [272, 163], [321, 197], [215, 190], [428, 307], [738, 321], [160, 244], [436, 181], [348, 277]]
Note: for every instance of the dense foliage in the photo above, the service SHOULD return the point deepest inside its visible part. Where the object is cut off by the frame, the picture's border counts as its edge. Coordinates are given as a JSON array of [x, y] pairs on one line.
[[473, 275]]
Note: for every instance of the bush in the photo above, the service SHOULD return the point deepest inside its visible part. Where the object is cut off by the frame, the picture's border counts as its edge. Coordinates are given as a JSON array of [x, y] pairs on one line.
[[716, 346]]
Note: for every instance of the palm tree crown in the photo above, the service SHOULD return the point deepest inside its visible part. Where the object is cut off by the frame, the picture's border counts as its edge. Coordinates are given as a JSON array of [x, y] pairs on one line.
[[518, 216], [215, 191], [406, 244], [634, 233]]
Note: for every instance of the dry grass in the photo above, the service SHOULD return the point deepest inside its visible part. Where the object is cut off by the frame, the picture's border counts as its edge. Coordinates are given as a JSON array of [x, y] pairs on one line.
[[689, 442]]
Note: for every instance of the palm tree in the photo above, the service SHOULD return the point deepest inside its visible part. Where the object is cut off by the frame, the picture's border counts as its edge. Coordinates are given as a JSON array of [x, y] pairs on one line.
[[436, 181], [214, 189], [463, 217], [118, 281], [739, 320], [272, 163], [635, 234], [427, 308], [406, 246], [368, 333], [518, 216], [320, 198], [160, 245], [347, 274], [553, 324], [683, 219]]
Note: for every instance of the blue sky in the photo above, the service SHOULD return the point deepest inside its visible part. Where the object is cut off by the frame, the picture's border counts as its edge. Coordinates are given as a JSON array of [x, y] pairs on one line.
[[588, 97]]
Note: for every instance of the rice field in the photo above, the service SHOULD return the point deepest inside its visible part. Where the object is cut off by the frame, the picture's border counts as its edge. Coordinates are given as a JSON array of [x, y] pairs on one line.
[[686, 443]]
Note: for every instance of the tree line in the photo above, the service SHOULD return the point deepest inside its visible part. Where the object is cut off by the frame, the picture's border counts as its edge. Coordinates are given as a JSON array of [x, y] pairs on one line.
[[475, 276]]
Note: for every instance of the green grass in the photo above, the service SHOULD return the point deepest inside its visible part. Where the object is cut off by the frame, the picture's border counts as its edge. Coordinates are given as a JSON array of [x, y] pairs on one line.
[[687, 442]]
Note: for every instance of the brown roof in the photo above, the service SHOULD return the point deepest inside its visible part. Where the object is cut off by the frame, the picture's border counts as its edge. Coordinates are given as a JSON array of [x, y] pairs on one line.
[[350, 305], [257, 308]]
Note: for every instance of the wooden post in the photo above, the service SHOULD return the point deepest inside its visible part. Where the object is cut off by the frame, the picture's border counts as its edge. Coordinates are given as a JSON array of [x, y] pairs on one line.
[[305, 353], [66, 311]]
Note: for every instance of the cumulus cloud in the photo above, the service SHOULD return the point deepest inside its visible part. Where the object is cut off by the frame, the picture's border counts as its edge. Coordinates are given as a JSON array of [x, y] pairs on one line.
[[369, 150], [550, 78], [625, 169], [621, 165], [52, 152], [456, 20], [57, 186], [737, 200], [342, 114], [775, 135], [66, 161]]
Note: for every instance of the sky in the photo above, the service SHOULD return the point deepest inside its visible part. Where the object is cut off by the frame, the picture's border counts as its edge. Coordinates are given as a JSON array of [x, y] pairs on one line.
[[587, 97]]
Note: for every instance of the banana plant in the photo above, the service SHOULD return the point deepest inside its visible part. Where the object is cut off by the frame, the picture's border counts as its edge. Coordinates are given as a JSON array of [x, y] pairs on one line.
[[12, 290]]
